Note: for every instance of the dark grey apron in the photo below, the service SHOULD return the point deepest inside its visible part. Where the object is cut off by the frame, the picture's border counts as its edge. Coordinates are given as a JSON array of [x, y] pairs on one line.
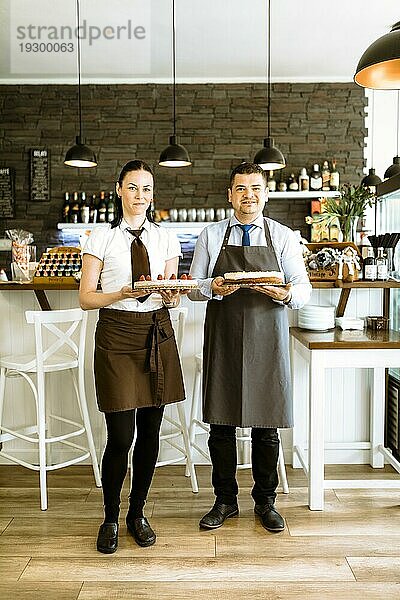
[[246, 368]]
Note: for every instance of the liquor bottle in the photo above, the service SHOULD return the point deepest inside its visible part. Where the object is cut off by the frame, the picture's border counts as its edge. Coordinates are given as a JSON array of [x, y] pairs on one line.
[[271, 182], [110, 208], [370, 267], [93, 210], [334, 180], [84, 209], [326, 176], [315, 179], [292, 184], [381, 266], [74, 212], [304, 180], [282, 185], [65, 208], [102, 209]]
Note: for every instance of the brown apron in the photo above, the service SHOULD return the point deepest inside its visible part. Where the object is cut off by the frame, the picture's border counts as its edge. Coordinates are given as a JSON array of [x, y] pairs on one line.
[[136, 361], [246, 367]]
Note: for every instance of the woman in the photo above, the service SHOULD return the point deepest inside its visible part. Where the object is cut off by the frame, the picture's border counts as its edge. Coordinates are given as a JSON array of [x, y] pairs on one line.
[[137, 367]]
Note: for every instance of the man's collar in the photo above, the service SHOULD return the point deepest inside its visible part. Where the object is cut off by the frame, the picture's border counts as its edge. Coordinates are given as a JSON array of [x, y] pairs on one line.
[[258, 222]]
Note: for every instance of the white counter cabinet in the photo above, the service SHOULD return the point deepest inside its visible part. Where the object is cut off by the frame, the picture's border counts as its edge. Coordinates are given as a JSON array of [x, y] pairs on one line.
[[347, 413]]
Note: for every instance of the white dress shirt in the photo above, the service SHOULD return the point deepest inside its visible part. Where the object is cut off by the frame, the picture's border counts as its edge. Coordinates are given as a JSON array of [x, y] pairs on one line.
[[113, 247], [284, 241]]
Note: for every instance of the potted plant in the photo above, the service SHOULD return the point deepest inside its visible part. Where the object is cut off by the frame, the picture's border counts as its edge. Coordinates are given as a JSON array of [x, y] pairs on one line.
[[345, 210]]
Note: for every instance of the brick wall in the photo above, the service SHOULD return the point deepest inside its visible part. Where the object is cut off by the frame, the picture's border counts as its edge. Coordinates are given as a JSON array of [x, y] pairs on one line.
[[220, 124]]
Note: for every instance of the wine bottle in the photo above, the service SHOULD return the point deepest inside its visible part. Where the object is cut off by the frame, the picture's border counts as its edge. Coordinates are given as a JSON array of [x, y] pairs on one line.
[[315, 179], [84, 209], [74, 212], [93, 210], [381, 266], [326, 176], [334, 180], [304, 180], [292, 184], [102, 209], [271, 184], [110, 208], [370, 267], [65, 209]]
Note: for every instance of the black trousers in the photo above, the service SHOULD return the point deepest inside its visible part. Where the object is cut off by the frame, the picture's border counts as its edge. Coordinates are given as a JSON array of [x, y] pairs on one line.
[[120, 434], [264, 460]]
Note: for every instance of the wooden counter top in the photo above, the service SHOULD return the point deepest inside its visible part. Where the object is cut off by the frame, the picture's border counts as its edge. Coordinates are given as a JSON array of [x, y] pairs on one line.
[[338, 339], [16, 286]]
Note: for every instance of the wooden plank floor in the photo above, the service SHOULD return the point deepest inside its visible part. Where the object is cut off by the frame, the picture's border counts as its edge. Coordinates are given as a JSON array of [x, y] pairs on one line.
[[351, 549]]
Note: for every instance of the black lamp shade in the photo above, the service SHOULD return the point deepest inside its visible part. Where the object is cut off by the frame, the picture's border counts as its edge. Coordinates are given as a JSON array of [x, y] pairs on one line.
[[371, 180], [80, 155], [174, 155], [270, 158], [394, 169], [379, 66]]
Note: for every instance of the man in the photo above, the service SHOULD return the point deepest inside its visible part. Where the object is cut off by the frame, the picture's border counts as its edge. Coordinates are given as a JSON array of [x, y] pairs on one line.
[[246, 371]]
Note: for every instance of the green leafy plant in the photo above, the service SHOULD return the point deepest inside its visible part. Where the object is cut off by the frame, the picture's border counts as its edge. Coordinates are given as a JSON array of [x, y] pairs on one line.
[[345, 210]]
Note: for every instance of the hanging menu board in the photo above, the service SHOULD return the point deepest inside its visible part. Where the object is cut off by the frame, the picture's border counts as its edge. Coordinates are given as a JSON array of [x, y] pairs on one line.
[[40, 175], [7, 192]]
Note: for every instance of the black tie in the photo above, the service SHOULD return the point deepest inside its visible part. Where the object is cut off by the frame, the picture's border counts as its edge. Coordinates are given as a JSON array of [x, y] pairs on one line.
[[139, 258]]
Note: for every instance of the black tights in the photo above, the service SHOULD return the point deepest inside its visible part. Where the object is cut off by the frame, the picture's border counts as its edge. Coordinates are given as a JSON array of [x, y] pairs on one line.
[[120, 433]]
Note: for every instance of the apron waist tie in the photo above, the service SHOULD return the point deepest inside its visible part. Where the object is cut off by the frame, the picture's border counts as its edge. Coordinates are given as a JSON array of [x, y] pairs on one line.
[[156, 366]]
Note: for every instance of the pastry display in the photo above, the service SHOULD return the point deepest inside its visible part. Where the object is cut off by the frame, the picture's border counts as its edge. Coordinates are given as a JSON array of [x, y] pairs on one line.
[[254, 278], [146, 283], [57, 265]]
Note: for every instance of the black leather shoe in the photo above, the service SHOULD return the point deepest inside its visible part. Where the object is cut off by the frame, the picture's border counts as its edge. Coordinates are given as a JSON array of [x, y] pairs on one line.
[[217, 515], [107, 539], [140, 529], [270, 518]]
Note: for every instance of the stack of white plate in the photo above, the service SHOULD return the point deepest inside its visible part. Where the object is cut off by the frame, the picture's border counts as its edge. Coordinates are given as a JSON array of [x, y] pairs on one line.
[[318, 318]]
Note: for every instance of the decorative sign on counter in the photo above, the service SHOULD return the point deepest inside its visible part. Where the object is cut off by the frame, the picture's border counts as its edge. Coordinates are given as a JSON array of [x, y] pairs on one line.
[[40, 175], [7, 192]]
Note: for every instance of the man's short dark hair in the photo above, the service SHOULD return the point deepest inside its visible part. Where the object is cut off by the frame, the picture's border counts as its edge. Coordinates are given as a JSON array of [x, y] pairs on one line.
[[246, 168]]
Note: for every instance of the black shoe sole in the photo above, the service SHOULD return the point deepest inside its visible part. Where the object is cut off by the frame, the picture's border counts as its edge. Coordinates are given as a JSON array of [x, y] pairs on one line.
[[205, 526], [140, 542], [106, 550]]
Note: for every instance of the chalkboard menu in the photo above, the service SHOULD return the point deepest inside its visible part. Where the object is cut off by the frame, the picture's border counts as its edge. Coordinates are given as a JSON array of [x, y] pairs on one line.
[[7, 192], [40, 175]]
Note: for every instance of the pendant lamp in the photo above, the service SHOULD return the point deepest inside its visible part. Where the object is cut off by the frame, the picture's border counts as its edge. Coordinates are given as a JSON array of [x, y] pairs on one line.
[[379, 66], [394, 169], [79, 155], [174, 155], [269, 158], [371, 180]]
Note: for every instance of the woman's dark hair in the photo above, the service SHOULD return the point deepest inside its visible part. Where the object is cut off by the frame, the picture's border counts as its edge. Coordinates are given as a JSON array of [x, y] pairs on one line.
[[132, 165]]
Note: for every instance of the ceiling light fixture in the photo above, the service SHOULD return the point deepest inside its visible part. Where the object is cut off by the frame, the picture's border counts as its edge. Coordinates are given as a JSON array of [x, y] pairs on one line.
[[269, 158], [174, 155], [379, 66], [394, 169], [79, 155], [371, 180]]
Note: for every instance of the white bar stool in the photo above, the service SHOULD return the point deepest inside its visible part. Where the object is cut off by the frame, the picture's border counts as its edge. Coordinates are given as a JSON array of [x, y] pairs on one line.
[[65, 352], [174, 430], [197, 427], [177, 427]]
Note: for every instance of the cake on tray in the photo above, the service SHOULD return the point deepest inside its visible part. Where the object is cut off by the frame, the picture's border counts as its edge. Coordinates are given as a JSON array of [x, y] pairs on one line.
[[185, 283], [254, 277]]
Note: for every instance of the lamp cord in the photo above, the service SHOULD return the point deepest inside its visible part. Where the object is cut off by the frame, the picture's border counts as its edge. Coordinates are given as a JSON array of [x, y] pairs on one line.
[[398, 117], [269, 67], [79, 69], [372, 127], [174, 65]]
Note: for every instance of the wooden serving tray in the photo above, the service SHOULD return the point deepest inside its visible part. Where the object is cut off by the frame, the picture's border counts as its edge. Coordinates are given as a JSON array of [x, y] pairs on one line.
[[252, 285]]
